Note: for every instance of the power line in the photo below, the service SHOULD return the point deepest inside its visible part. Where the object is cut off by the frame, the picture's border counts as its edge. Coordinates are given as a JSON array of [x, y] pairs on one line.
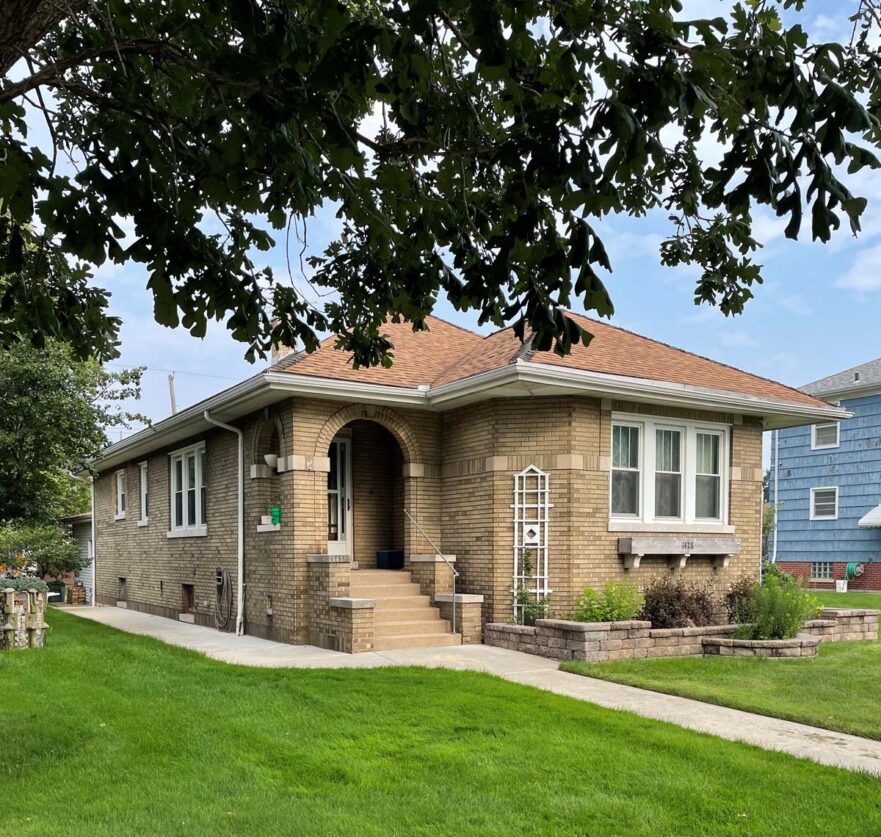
[[176, 371]]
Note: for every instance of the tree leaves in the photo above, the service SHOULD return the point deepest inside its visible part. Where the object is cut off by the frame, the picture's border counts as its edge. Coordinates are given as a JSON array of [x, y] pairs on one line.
[[468, 148]]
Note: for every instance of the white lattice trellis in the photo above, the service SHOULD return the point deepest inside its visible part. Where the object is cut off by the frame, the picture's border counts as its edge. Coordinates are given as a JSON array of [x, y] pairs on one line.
[[531, 511]]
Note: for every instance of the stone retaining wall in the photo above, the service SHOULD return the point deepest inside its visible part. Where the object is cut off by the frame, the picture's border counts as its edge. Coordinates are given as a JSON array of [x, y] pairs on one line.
[[23, 624], [800, 646], [561, 639]]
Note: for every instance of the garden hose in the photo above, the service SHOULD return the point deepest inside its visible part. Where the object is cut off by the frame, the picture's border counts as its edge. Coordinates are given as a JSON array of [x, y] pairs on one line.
[[854, 570], [223, 600]]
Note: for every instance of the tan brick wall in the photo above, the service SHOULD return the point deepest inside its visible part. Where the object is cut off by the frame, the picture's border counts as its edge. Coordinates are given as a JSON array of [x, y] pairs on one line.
[[570, 439], [155, 567], [454, 471]]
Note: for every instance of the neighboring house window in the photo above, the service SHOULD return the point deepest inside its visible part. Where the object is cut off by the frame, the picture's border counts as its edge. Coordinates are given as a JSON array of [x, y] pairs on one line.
[[824, 503], [668, 472], [144, 493], [824, 435], [120, 495], [625, 470], [821, 571], [188, 499]]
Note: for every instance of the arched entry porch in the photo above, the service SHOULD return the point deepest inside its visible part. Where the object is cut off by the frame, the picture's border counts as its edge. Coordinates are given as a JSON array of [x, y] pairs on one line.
[[365, 493]]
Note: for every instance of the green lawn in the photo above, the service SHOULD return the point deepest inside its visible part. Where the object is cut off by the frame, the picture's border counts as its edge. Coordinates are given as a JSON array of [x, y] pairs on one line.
[[851, 599], [106, 733], [840, 689]]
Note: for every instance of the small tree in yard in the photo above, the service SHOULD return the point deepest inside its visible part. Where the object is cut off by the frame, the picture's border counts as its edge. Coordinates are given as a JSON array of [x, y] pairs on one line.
[[38, 549]]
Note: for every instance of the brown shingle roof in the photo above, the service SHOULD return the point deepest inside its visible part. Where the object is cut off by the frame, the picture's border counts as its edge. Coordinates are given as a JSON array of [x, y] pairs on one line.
[[448, 353], [419, 357]]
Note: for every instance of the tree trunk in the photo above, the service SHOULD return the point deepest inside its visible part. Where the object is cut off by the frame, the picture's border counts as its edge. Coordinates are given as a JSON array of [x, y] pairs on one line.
[[23, 23]]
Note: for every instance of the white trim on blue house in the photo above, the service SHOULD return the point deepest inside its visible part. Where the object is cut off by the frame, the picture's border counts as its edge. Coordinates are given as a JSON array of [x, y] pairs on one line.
[[835, 444], [814, 490]]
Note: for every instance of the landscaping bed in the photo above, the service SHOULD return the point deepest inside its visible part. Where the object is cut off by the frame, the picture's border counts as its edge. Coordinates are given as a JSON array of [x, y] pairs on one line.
[[118, 734]]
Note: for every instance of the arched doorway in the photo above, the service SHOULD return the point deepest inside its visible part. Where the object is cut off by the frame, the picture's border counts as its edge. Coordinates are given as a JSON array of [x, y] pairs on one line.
[[365, 492]]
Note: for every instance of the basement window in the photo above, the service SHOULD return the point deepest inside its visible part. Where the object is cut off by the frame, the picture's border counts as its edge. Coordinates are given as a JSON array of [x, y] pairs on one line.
[[821, 571]]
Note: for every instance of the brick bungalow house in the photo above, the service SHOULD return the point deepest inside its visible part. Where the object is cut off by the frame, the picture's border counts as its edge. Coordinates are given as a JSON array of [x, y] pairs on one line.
[[629, 458]]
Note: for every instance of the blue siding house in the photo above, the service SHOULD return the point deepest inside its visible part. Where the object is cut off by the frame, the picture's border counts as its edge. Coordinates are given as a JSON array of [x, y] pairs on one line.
[[826, 482]]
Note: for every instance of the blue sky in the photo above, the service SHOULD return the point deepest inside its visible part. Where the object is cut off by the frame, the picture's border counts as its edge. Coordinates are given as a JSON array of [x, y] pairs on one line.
[[817, 312]]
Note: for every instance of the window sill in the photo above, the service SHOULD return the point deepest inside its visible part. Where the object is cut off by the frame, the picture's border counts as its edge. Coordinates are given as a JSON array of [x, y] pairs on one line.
[[268, 527], [119, 516], [143, 521], [195, 532], [616, 526]]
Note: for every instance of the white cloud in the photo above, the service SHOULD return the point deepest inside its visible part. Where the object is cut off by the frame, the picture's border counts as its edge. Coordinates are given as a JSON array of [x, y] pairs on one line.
[[865, 272]]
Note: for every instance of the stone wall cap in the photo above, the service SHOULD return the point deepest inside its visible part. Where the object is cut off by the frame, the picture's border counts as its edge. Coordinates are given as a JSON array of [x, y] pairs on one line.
[[629, 624], [461, 598], [350, 603], [839, 612], [571, 625], [505, 628], [328, 559], [821, 623], [797, 642], [432, 559]]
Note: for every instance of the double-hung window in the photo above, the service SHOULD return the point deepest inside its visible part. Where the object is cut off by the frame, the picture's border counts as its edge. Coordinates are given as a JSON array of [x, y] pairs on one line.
[[824, 436], [668, 472], [144, 492], [188, 495], [120, 495], [824, 503], [625, 470]]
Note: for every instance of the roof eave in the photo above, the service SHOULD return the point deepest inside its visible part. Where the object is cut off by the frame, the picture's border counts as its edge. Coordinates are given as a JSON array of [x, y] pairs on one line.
[[538, 379]]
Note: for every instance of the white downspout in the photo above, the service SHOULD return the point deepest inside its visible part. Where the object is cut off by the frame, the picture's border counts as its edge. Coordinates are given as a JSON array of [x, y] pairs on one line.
[[776, 488], [94, 545], [240, 585]]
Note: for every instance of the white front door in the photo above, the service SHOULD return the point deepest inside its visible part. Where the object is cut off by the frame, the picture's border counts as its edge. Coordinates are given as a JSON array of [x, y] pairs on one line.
[[339, 498]]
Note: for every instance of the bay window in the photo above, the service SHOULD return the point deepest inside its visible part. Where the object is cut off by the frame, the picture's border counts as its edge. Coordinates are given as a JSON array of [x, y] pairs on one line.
[[668, 472], [188, 497]]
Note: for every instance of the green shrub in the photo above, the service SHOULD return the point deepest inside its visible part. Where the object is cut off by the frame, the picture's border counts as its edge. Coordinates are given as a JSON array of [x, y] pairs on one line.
[[24, 583], [617, 601], [39, 549], [737, 599], [528, 606], [778, 609], [671, 603], [770, 570]]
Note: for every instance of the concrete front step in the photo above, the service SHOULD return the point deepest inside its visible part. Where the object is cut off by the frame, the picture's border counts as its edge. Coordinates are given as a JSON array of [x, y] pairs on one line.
[[389, 643], [380, 577], [385, 602], [391, 629], [391, 591], [422, 613]]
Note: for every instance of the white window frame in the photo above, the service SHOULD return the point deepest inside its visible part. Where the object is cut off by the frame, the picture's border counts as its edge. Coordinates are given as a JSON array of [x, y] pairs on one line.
[[646, 520], [640, 470], [143, 494], [814, 490], [198, 527], [121, 495], [815, 446], [827, 564]]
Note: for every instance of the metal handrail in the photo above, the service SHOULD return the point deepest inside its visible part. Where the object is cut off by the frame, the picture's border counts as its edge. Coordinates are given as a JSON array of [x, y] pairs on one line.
[[445, 560]]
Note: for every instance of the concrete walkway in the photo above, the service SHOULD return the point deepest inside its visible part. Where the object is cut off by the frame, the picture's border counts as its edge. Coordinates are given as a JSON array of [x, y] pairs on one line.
[[830, 748]]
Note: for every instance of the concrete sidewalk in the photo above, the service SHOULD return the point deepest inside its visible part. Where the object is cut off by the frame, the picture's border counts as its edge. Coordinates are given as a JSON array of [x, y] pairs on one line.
[[820, 745]]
